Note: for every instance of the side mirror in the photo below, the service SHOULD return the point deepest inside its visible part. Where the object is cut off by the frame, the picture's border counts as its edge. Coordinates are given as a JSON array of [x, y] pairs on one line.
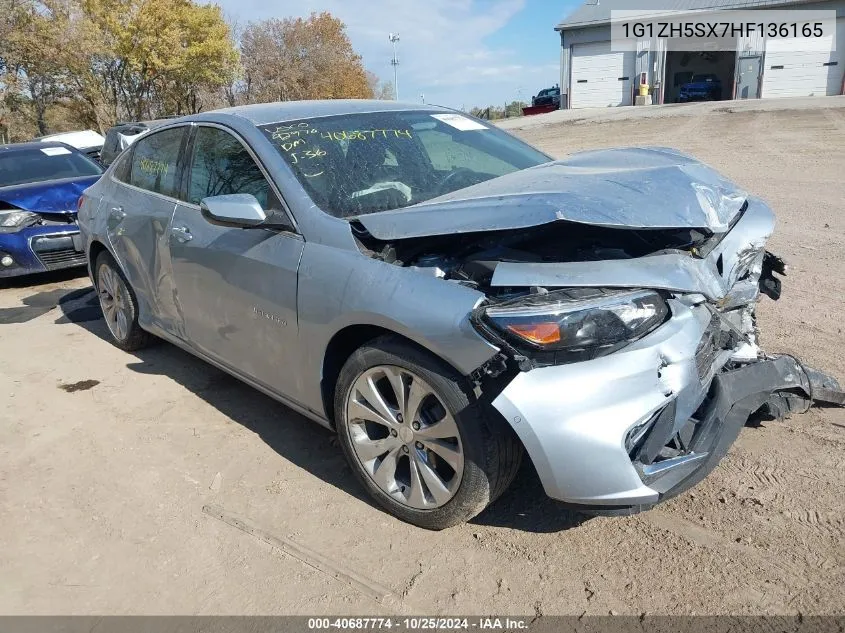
[[237, 209]]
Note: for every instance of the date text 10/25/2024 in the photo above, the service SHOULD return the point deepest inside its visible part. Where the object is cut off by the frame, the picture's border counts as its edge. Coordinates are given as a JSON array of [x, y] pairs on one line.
[[418, 624]]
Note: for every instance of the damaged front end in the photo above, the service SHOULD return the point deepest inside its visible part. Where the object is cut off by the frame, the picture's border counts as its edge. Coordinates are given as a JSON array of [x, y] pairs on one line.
[[629, 358]]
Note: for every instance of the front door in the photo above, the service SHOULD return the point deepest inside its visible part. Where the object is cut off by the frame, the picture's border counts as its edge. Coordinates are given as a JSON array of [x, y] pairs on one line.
[[748, 79], [236, 288]]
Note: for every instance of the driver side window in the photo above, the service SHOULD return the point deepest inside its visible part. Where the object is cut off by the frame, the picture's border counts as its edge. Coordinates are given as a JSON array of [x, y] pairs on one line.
[[221, 165]]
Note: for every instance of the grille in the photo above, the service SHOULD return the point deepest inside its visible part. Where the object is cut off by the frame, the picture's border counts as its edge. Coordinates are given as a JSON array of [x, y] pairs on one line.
[[63, 258], [59, 218]]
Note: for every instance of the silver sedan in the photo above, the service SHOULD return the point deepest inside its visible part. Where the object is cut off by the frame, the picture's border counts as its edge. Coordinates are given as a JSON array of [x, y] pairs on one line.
[[448, 298]]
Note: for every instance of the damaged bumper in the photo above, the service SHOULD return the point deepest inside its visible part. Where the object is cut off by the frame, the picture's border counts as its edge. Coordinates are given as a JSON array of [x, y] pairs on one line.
[[38, 249], [625, 431]]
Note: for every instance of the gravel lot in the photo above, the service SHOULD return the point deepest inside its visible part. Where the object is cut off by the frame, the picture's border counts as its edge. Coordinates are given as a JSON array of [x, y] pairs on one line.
[[116, 469]]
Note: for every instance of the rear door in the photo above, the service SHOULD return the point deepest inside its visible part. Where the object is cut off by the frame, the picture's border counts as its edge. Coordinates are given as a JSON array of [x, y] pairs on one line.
[[139, 206], [236, 288]]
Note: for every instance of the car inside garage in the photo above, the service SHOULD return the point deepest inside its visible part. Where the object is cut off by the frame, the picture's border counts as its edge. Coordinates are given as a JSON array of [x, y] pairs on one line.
[[742, 64], [699, 76]]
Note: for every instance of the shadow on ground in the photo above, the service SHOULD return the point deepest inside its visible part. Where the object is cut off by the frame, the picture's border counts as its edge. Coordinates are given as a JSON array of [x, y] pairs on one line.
[[76, 305], [311, 447], [525, 507], [36, 280]]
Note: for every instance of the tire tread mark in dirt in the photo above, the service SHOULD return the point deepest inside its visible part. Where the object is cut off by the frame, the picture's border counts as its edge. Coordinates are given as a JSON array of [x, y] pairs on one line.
[[709, 539], [769, 475], [825, 523], [313, 559]]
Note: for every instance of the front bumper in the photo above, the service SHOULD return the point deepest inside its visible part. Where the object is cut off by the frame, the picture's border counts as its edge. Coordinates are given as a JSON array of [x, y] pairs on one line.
[[626, 431], [37, 249]]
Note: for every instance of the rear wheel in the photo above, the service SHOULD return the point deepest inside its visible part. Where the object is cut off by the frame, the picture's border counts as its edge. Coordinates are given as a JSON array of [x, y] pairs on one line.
[[423, 448], [120, 308]]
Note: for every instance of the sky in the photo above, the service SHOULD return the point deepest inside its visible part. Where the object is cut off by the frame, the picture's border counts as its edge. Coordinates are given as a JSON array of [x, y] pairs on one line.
[[457, 53]]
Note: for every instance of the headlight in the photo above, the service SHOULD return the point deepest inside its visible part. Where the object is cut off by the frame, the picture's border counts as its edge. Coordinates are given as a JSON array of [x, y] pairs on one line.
[[584, 323], [11, 221]]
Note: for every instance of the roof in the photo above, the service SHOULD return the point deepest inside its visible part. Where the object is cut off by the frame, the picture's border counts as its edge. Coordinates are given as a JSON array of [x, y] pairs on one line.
[[150, 124], [597, 12], [35, 145], [264, 113], [82, 139]]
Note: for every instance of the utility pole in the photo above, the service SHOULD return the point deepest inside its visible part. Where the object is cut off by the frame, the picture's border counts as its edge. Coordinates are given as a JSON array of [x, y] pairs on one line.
[[394, 37]]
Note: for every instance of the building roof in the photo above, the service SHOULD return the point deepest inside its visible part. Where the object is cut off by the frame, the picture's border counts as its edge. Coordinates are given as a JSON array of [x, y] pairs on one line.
[[597, 12]]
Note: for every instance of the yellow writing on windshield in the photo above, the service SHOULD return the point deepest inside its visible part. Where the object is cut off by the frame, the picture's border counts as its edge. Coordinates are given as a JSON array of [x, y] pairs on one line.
[[364, 135], [286, 132]]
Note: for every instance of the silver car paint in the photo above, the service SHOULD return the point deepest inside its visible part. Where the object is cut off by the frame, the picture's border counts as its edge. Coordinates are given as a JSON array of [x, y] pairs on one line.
[[237, 292], [574, 418], [265, 306], [631, 188], [672, 271], [269, 328], [136, 226]]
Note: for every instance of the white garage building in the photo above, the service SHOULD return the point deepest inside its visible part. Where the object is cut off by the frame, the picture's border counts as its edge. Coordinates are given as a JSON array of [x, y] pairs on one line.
[[592, 75]]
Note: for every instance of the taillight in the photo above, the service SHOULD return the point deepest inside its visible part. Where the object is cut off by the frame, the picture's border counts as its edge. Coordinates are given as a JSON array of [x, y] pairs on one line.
[[79, 204]]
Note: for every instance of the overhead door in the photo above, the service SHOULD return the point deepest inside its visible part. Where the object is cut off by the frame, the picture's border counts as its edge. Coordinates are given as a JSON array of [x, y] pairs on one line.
[[601, 78], [790, 73]]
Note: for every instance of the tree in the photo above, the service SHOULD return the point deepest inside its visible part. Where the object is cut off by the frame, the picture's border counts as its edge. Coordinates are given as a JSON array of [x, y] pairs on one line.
[[301, 59], [380, 89], [98, 61], [31, 68], [205, 61], [147, 58], [90, 63]]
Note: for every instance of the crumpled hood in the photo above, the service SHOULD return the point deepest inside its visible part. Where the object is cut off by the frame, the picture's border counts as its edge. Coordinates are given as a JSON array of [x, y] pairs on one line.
[[638, 188], [53, 196]]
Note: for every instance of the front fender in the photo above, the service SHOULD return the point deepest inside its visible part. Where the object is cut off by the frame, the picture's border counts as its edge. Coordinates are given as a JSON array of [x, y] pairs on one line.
[[341, 288]]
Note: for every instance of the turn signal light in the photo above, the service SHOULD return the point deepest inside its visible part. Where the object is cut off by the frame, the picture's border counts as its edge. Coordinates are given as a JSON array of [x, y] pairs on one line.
[[540, 333]]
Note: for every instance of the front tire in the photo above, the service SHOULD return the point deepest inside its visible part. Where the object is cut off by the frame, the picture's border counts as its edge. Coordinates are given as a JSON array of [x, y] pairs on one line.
[[421, 445], [119, 305]]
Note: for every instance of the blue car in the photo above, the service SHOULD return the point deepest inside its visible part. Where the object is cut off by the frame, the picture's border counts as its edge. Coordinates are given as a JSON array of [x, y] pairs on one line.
[[40, 187], [704, 87]]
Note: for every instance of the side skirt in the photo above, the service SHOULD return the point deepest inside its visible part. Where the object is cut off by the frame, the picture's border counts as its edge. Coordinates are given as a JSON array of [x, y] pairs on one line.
[[308, 413]]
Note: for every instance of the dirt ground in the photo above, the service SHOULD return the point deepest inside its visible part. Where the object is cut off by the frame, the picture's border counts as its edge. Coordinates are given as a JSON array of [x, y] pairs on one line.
[[108, 459]]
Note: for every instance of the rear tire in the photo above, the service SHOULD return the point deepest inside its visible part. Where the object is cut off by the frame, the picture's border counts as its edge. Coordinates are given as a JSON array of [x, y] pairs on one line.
[[445, 464], [119, 305]]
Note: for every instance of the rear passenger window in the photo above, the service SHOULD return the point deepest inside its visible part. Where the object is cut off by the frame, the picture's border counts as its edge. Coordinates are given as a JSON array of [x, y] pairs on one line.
[[123, 167], [221, 165], [154, 162]]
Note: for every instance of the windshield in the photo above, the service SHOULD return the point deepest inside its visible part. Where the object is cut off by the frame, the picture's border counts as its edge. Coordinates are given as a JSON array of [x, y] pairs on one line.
[[703, 78], [355, 164], [34, 164]]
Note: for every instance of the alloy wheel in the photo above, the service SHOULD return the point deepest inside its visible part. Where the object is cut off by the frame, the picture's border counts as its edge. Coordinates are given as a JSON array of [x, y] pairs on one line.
[[114, 300], [404, 437]]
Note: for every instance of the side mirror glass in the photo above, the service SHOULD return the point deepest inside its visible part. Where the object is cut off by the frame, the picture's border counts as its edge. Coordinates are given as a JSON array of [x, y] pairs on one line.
[[237, 209]]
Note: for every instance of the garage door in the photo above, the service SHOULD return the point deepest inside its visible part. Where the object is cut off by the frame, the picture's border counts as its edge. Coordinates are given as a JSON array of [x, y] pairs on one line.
[[601, 78], [807, 73]]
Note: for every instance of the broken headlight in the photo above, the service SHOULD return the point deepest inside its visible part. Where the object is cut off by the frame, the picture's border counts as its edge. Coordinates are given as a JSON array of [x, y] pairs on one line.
[[13, 220], [583, 324]]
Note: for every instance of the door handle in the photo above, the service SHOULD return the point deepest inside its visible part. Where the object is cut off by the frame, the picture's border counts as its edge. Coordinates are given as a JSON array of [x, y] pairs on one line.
[[117, 213], [182, 234]]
